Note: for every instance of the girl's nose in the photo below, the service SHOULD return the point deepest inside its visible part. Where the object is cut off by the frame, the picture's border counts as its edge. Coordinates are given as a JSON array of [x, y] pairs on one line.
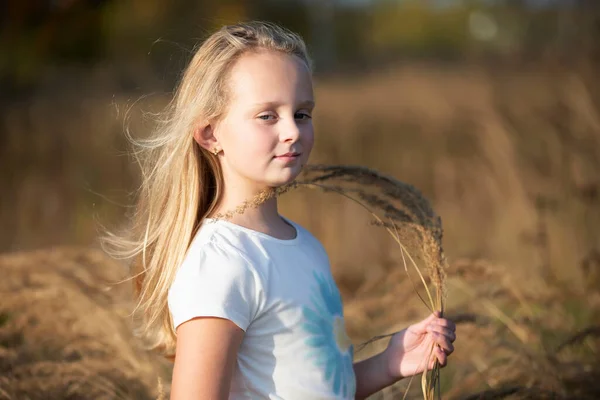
[[290, 132]]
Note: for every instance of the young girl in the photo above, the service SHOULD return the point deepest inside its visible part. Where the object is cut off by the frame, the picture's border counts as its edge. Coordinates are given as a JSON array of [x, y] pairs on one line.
[[248, 304]]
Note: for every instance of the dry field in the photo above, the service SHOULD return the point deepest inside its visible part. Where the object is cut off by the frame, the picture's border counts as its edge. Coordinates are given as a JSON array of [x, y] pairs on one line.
[[509, 159], [64, 331]]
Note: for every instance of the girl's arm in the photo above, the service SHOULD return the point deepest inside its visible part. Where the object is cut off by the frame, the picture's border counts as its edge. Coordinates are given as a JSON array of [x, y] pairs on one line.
[[372, 375], [205, 358]]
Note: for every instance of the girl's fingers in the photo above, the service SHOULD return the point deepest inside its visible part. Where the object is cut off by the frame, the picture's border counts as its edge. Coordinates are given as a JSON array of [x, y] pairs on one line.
[[434, 323], [446, 323], [442, 330], [443, 342], [439, 356]]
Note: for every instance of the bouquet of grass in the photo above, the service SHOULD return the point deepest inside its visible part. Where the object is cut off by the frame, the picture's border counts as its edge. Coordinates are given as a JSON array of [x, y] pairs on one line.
[[406, 215]]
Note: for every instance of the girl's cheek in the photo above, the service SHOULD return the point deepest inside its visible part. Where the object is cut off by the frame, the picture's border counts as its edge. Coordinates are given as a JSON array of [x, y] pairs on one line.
[[310, 139], [251, 137]]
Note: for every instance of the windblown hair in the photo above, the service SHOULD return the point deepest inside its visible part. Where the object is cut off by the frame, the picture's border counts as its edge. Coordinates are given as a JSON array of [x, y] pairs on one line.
[[181, 182]]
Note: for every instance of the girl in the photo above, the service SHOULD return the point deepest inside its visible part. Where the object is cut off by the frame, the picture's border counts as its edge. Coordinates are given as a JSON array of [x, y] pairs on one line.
[[248, 304]]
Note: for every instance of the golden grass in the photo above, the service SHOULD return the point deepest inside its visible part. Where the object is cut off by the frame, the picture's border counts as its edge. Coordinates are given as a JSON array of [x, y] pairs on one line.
[[65, 331]]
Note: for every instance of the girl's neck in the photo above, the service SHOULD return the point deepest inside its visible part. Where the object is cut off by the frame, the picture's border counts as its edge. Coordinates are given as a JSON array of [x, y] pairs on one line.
[[263, 217]]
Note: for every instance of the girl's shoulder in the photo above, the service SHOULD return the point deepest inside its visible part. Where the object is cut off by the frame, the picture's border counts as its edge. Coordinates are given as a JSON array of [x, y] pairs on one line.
[[215, 273], [215, 242], [220, 241], [213, 257]]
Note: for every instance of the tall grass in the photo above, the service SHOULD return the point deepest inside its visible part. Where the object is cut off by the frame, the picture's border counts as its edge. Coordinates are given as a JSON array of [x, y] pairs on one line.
[[64, 331]]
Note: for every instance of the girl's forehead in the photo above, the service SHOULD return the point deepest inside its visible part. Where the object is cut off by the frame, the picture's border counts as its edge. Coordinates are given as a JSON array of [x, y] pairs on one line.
[[269, 76]]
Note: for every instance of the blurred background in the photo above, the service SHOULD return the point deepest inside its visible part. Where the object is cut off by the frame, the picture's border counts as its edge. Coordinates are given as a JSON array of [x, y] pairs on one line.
[[490, 107]]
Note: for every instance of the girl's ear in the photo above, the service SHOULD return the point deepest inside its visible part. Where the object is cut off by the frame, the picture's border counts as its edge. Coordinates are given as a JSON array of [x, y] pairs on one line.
[[204, 136]]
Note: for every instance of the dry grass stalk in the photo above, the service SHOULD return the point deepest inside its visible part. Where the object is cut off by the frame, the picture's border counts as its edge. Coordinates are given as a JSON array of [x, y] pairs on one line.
[[406, 215]]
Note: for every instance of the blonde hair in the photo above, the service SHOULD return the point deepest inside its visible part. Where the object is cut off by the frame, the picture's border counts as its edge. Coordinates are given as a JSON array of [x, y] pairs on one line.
[[181, 181]]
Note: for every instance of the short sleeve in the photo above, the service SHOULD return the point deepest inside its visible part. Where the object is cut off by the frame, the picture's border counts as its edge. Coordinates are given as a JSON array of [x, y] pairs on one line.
[[214, 282]]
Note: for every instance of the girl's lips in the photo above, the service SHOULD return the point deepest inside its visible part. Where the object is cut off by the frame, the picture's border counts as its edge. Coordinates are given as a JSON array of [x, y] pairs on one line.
[[288, 156]]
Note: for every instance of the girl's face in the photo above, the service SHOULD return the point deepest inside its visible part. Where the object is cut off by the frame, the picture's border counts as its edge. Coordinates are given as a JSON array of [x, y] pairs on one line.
[[266, 134]]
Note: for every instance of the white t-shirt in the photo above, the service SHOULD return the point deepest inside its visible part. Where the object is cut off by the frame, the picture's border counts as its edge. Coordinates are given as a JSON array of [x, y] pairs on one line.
[[282, 294]]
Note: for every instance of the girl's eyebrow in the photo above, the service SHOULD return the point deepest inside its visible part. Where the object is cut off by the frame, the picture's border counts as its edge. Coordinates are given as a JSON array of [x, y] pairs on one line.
[[307, 104], [275, 104]]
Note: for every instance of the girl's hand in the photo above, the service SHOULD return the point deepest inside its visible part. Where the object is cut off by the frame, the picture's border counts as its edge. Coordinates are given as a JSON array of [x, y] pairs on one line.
[[409, 351]]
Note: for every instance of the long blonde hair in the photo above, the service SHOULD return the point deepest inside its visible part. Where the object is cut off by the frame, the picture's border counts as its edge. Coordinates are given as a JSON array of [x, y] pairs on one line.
[[181, 182]]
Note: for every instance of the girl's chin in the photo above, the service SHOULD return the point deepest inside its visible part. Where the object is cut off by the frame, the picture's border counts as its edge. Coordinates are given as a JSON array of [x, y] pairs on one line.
[[286, 176], [280, 182]]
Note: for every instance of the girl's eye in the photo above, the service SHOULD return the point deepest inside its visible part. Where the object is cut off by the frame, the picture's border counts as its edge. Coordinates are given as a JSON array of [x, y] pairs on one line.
[[266, 117], [302, 115]]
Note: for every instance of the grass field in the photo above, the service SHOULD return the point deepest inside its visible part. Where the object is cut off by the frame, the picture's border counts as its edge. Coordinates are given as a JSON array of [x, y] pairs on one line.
[[509, 159]]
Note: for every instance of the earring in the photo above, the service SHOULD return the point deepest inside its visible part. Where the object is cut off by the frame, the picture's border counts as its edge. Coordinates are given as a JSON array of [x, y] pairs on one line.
[[216, 151]]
